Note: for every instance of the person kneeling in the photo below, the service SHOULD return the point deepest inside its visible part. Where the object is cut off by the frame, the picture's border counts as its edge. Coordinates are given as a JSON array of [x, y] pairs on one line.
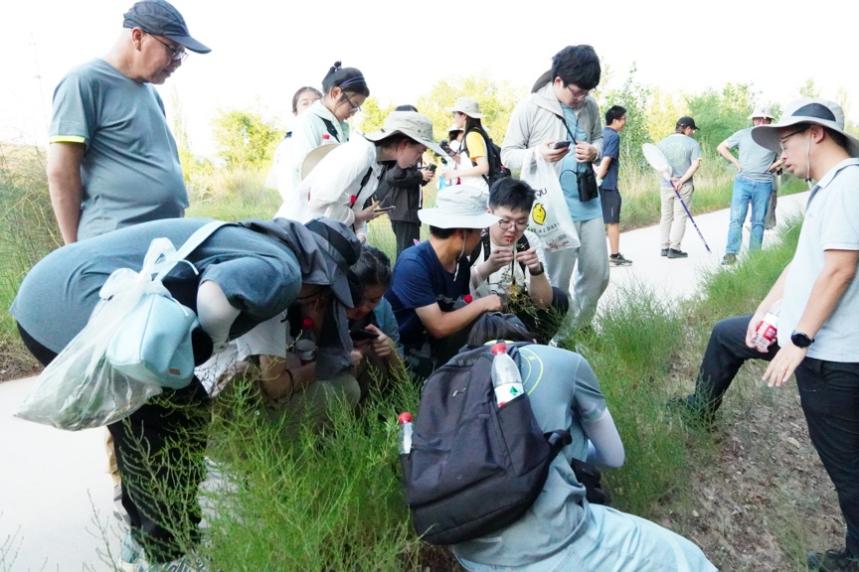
[[508, 263], [561, 531]]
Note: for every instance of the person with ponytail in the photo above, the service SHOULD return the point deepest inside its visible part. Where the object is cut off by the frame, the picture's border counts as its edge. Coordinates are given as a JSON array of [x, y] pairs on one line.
[[344, 92]]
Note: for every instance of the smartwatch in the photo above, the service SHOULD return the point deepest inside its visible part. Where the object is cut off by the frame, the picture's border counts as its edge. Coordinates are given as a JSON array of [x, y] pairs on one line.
[[539, 272], [800, 340]]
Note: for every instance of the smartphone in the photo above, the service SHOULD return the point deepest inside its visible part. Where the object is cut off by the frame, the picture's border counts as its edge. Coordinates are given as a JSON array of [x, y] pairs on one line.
[[361, 335], [561, 144]]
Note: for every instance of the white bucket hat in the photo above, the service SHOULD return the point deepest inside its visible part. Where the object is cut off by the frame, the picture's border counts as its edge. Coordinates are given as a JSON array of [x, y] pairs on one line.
[[411, 124], [459, 206], [468, 106], [817, 111], [314, 157], [764, 111]]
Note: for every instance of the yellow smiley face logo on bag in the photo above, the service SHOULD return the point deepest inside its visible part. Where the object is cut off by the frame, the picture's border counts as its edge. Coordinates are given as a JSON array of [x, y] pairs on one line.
[[539, 213]]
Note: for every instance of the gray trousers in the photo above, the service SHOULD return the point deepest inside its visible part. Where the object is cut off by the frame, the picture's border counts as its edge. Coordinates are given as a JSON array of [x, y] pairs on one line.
[[590, 260], [672, 224]]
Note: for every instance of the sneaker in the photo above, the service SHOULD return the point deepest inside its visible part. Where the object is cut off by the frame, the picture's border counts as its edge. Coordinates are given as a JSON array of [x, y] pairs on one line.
[[187, 563], [833, 561], [663, 252], [676, 253], [130, 553], [619, 260], [729, 259]]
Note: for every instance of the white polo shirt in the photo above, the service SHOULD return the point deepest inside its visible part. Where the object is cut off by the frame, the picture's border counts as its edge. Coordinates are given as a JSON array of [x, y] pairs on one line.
[[831, 223]]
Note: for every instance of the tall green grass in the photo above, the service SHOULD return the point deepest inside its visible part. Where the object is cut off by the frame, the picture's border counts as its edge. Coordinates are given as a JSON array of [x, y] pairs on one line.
[[27, 232]]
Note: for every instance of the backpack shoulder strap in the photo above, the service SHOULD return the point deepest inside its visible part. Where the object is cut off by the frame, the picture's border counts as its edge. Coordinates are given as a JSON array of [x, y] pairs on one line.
[[329, 126], [190, 245]]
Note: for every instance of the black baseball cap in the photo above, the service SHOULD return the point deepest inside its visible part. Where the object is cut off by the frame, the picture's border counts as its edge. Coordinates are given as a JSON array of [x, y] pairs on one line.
[[686, 121], [162, 19]]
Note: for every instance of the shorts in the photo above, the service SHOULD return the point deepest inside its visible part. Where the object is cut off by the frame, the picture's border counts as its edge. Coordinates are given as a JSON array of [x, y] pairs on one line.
[[611, 201]]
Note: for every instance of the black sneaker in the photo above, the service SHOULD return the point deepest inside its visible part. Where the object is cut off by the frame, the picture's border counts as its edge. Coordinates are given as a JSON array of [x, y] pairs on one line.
[[619, 260], [729, 259], [663, 252], [676, 253], [833, 561]]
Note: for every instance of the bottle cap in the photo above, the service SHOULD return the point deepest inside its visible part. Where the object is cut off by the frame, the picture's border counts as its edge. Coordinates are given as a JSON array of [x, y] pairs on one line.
[[404, 417], [499, 348], [307, 323]]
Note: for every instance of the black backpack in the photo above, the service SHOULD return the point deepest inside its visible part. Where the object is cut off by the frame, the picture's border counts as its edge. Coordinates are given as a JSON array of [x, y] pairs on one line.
[[497, 170], [473, 468]]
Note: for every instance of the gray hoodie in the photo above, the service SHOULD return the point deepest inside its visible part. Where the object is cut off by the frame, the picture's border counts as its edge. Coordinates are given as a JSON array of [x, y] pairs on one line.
[[538, 119]]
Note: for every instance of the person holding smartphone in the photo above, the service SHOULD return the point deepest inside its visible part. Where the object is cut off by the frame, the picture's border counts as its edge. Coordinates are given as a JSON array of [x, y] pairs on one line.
[[341, 184]]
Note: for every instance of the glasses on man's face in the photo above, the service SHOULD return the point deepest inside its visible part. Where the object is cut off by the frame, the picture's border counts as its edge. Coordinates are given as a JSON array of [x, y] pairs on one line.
[[355, 108], [577, 93], [782, 141], [506, 223], [176, 54]]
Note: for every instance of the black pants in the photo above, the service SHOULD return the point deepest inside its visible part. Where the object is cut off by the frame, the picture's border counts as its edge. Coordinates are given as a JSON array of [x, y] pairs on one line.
[[829, 392], [406, 233], [726, 353], [160, 453]]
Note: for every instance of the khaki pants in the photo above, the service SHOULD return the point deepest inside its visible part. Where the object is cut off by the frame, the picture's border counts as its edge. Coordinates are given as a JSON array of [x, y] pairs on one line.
[[672, 224]]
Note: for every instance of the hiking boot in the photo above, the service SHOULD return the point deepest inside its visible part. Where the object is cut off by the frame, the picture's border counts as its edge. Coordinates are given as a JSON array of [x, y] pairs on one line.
[[729, 258], [663, 252], [676, 253], [619, 260], [833, 561]]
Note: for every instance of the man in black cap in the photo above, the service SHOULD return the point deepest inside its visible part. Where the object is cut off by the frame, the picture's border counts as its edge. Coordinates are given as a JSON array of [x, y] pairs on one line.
[[112, 161], [684, 156]]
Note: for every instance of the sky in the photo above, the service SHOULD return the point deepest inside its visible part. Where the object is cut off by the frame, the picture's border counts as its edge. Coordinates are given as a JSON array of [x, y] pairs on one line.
[[263, 50]]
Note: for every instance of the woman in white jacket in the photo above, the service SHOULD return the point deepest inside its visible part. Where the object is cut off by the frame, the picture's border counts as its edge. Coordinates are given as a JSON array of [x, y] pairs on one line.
[[342, 182], [325, 122]]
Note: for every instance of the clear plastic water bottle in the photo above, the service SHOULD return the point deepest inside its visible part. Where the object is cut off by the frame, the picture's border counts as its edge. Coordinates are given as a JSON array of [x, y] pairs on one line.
[[405, 441], [506, 378]]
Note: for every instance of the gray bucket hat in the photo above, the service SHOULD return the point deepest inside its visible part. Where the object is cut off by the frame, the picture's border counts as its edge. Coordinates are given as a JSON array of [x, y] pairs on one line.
[[468, 106], [459, 206], [817, 111], [411, 124], [764, 111], [162, 19]]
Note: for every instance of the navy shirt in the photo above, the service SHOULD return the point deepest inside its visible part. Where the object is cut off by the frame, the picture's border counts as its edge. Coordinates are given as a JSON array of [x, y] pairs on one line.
[[420, 280], [611, 148]]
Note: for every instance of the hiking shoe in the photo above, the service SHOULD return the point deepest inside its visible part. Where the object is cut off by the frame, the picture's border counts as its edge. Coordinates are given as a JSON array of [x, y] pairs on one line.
[[729, 259], [187, 563], [619, 260], [833, 561], [676, 253], [663, 252]]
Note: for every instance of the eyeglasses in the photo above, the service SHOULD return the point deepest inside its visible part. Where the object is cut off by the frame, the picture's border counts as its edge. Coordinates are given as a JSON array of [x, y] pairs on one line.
[[176, 54], [577, 93], [782, 141], [355, 108], [506, 223]]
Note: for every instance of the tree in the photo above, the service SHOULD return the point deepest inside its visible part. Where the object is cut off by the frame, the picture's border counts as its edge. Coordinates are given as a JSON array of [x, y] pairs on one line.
[[243, 138], [808, 89], [373, 115], [634, 97], [720, 114]]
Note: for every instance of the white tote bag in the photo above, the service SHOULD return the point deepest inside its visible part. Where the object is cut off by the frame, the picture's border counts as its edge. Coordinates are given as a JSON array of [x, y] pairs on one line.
[[550, 218]]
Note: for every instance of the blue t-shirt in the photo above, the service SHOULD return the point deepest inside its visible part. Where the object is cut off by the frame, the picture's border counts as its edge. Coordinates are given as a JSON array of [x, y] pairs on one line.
[[611, 148], [259, 275], [130, 171], [579, 211], [420, 280]]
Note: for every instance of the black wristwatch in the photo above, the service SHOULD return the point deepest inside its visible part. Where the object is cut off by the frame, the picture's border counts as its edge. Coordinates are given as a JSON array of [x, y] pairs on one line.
[[539, 272], [800, 340]]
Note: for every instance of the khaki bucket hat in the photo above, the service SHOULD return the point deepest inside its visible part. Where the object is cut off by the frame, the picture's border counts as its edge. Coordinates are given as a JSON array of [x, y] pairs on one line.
[[411, 124]]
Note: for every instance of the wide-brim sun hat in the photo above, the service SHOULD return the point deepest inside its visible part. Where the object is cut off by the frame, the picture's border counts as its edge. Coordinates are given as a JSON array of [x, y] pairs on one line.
[[459, 206], [314, 157], [764, 111], [468, 106], [413, 125], [816, 111]]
